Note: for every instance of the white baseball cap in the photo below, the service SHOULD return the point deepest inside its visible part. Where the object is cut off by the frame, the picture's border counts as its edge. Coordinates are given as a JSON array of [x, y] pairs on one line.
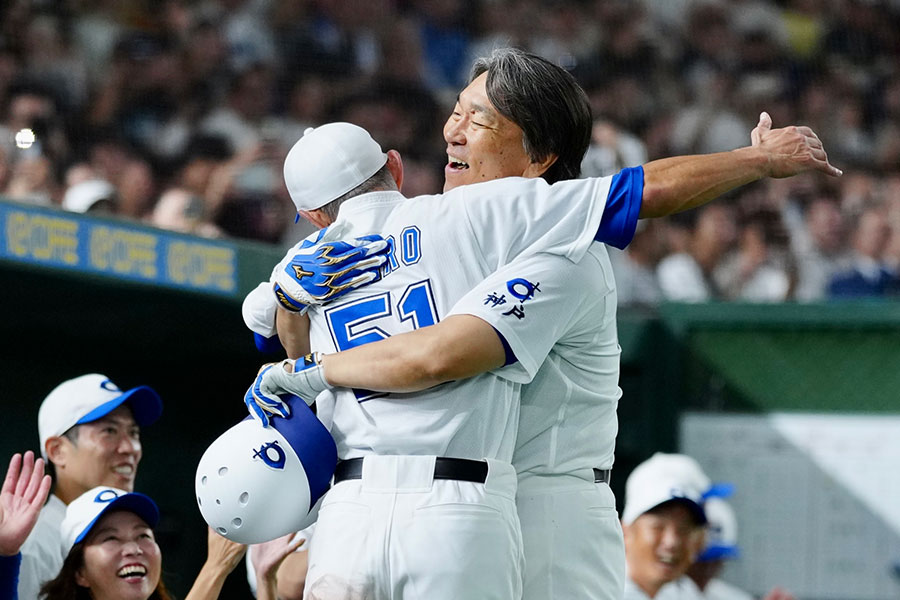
[[88, 398], [82, 196], [85, 510], [663, 478], [329, 161], [721, 531]]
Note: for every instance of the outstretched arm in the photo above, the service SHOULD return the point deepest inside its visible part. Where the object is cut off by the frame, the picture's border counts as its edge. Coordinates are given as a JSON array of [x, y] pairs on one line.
[[680, 183]]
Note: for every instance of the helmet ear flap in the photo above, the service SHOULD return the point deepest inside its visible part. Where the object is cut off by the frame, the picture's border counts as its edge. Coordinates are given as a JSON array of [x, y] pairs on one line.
[[255, 483]]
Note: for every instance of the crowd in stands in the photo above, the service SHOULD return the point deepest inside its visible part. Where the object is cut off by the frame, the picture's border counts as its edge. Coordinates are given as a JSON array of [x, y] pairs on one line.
[[178, 113]]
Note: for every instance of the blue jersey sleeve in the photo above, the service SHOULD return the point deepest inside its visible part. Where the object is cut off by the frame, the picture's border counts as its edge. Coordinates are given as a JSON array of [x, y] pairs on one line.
[[9, 576], [267, 345], [509, 355], [623, 206]]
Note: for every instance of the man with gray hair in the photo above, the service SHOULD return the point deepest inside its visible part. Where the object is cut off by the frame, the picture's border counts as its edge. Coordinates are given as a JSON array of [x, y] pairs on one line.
[[572, 537]]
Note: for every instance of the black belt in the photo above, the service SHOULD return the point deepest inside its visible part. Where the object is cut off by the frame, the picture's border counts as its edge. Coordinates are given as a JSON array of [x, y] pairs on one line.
[[460, 469], [602, 476]]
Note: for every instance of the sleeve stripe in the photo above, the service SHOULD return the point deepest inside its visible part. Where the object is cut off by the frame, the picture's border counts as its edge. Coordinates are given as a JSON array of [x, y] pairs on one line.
[[623, 206]]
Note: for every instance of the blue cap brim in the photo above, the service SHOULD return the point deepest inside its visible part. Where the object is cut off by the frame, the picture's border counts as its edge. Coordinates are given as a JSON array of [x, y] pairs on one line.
[[145, 404], [719, 552], [696, 509], [721, 489], [139, 504]]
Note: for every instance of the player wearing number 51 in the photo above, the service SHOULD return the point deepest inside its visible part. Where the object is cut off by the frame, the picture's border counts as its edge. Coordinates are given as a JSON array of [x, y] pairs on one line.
[[447, 449]]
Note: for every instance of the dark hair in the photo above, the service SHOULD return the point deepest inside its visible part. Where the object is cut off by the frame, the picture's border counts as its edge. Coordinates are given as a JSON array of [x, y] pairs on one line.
[[381, 180], [546, 102], [64, 586]]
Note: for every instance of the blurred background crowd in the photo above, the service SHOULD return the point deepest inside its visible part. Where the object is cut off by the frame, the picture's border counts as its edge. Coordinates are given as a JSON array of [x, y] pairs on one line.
[[178, 113]]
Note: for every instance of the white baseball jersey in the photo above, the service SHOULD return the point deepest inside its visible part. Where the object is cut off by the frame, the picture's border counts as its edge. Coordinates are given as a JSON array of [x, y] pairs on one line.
[[559, 319], [42, 553], [563, 333], [443, 246]]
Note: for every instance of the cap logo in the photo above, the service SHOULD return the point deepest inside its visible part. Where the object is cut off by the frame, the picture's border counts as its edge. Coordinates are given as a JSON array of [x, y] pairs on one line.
[[109, 386], [271, 454], [106, 496]]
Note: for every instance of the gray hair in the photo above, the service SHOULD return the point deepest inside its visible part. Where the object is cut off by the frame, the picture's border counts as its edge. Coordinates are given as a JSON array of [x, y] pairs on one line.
[[381, 180], [546, 102]]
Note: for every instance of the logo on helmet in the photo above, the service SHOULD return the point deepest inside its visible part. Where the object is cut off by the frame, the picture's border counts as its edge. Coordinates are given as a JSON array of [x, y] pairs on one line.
[[271, 454]]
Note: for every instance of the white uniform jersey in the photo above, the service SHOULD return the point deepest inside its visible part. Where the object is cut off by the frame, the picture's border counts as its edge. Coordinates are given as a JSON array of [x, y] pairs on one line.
[[442, 247], [563, 334], [42, 553]]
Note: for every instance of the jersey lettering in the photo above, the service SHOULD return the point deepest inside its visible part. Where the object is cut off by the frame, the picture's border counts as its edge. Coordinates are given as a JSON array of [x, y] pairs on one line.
[[391, 265], [411, 250], [360, 322]]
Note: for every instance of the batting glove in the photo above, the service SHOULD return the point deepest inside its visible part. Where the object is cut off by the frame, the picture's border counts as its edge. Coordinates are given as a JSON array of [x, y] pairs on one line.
[[321, 271], [305, 379]]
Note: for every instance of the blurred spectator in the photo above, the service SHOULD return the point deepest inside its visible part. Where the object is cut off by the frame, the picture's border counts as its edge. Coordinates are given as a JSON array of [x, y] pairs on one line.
[[611, 150], [124, 87], [445, 37], [90, 196], [887, 127], [820, 248], [179, 210], [34, 142], [760, 269], [242, 118], [687, 275], [635, 267], [868, 275], [708, 124]]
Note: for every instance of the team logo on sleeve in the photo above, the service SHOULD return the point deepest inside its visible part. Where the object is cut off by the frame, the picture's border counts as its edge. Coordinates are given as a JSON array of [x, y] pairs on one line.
[[521, 289], [271, 454]]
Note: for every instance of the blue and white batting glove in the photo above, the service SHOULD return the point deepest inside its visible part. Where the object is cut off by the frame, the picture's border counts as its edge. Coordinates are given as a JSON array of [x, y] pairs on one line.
[[262, 401], [321, 271], [305, 379]]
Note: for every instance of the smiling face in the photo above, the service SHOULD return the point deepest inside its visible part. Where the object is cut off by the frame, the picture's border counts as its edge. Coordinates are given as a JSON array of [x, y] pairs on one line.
[[121, 558], [661, 544], [482, 144], [105, 452]]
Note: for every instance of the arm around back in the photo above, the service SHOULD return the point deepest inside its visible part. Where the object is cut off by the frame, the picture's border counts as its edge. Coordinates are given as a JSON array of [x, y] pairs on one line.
[[458, 347]]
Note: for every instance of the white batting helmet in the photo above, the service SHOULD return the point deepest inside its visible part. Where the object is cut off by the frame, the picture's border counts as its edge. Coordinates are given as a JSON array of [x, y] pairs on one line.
[[257, 483]]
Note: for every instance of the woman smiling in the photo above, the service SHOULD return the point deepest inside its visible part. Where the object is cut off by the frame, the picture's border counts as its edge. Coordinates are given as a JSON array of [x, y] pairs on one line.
[[112, 551]]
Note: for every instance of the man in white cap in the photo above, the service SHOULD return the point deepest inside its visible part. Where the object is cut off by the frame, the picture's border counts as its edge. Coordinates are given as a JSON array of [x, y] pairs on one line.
[[485, 143], [90, 436], [663, 522], [702, 581], [433, 475]]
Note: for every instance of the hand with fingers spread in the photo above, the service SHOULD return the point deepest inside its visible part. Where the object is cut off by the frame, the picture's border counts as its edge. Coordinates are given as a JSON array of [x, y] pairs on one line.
[[791, 150], [267, 558], [324, 269], [24, 492]]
